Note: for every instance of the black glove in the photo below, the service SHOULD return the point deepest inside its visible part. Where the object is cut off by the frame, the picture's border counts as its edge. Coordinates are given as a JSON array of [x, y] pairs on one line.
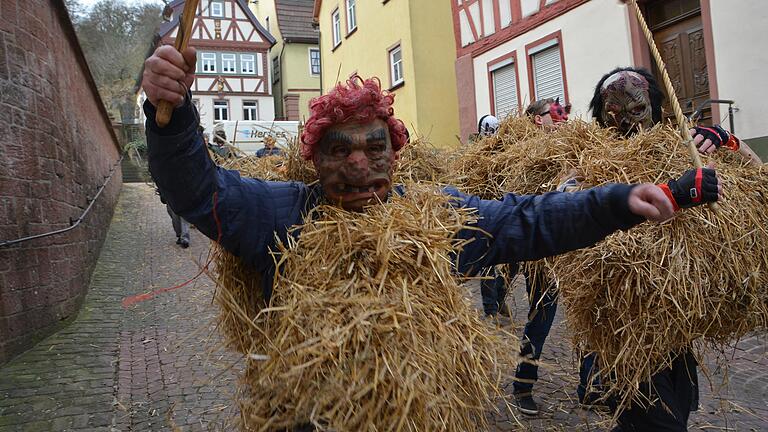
[[695, 187], [719, 137]]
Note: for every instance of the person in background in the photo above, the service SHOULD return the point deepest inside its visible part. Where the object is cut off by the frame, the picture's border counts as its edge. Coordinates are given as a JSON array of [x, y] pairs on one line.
[[542, 302], [269, 149], [493, 288], [219, 146], [548, 113], [180, 226], [629, 100]]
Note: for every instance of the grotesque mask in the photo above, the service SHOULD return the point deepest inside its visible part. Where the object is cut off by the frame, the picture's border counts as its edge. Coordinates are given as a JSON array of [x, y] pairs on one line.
[[626, 102], [558, 112], [355, 163]]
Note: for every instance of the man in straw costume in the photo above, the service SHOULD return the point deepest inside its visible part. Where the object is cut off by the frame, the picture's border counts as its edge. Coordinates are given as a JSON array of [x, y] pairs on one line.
[[353, 138], [629, 100], [547, 114]]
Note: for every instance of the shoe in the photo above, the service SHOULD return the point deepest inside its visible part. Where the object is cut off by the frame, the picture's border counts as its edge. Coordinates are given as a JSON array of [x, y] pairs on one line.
[[178, 240], [504, 310], [526, 404], [184, 244]]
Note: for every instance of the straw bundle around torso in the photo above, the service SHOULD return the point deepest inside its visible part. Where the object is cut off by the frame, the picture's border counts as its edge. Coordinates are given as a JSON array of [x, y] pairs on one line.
[[368, 329], [643, 295]]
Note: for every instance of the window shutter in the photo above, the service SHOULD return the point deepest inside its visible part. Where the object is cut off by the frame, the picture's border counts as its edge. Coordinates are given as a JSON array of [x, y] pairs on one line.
[[505, 90], [548, 74]]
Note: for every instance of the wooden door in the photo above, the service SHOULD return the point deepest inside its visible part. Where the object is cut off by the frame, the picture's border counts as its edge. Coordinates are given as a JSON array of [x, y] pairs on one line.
[[679, 36]]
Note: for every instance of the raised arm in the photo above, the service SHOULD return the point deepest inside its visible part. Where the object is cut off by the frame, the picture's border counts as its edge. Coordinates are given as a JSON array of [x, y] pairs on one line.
[[243, 213]]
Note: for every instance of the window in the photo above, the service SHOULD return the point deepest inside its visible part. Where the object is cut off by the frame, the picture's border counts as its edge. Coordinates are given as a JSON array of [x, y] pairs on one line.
[[209, 62], [217, 9], [314, 61], [247, 64], [396, 66], [220, 110], [275, 69], [547, 71], [228, 62], [351, 16], [336, 20], [504, 81], [250, 110]]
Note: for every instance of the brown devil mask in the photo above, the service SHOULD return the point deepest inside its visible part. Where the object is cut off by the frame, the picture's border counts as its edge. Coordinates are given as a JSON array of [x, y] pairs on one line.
[[626, 102]]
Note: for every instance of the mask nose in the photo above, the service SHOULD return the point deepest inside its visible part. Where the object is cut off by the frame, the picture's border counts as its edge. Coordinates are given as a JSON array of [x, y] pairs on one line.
[[357, 167]]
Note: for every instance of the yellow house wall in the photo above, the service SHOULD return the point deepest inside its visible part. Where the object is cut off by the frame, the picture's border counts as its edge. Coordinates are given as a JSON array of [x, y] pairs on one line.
[[379, 27], [434, 56], [266, 9], [297, 77]]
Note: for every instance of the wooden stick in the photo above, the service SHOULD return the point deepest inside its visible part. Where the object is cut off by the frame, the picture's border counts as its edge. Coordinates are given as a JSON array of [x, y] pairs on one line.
[[165, 108], [682, 121]]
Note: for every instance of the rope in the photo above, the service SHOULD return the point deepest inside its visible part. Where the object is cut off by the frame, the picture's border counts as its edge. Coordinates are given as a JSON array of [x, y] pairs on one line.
[[679, 116], [682, 121]]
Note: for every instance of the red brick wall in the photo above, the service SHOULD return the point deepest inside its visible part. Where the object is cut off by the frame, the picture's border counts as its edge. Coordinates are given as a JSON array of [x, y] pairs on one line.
[[56, 147]]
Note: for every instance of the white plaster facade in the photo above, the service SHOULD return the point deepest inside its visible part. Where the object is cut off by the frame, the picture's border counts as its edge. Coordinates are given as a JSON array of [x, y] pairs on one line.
[[596, 37], [741, 55], [585, 60], [265, 104]]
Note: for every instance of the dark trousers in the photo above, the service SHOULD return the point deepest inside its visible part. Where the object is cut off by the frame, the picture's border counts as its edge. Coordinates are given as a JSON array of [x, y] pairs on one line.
[[180, 226], [588, 371], [494, 291], [541, 315], [677, 391]]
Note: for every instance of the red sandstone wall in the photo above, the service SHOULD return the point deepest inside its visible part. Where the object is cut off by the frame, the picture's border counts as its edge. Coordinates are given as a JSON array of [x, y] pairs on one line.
[[56, 147], [465, 79]]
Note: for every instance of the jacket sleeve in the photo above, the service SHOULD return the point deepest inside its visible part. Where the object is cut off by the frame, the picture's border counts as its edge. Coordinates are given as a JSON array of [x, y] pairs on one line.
[[531, 227], [243, 214]]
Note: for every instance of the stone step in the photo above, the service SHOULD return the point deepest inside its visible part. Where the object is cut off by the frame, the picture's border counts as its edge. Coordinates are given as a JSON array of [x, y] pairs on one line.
[[135, 173]]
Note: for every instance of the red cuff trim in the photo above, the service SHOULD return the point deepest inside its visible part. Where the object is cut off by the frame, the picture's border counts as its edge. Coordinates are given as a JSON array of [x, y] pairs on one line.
[[696, 193], [669, 195]]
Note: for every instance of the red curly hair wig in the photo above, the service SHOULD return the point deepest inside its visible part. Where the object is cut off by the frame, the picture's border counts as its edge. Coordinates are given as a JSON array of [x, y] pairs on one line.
[[357, 101]]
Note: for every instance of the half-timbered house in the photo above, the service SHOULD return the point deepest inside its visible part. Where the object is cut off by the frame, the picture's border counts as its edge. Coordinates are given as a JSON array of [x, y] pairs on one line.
[[233, 71], [510, 52]]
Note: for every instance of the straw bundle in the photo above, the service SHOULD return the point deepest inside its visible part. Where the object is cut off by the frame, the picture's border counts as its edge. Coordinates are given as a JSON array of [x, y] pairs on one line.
[[640, 296], [522, 158], [419, 160], [654, 290], [272, 168], [290, 167], [368, 329]]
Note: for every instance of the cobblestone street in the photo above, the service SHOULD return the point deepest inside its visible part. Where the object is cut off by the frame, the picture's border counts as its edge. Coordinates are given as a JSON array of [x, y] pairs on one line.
[[159, 366]]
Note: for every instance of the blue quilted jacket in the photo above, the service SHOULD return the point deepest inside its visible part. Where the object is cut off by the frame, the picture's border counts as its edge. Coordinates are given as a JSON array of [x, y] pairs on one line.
[[252, 211]]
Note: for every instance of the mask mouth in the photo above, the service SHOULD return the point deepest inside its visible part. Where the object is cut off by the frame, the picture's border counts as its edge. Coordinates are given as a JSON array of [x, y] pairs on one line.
[[629, 130], [343, 188], [349, 191]]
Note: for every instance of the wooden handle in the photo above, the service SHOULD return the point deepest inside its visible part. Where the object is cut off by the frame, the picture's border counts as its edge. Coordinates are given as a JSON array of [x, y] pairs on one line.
[[164, 108], [682, 121]]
